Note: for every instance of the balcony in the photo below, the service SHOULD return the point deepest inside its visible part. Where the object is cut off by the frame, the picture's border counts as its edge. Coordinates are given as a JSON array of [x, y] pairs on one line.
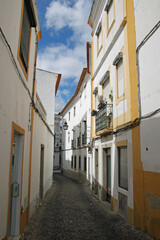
[[104, 118]]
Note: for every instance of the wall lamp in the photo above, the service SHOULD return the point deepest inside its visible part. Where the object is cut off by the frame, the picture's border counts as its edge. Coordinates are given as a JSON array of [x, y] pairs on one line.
[[65, 125]]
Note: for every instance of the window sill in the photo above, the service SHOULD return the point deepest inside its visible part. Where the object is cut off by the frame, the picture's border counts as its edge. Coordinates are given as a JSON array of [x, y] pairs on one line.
[[109, 29], [123, 191], [99, 50]]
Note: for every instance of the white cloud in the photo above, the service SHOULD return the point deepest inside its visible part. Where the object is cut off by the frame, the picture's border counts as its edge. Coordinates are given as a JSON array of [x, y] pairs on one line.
[[65, 92], [60, 14], [60, 59], [70, 59]]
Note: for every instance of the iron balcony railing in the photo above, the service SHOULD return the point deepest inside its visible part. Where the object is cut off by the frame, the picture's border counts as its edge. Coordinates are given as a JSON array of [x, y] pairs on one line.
[[104, 117]]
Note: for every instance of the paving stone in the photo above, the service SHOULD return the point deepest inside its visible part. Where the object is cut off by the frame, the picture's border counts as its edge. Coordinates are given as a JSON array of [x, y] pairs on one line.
[[70, 212]]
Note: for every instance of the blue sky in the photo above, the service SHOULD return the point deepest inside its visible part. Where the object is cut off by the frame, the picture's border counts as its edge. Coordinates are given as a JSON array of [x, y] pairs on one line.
[[62, 48]]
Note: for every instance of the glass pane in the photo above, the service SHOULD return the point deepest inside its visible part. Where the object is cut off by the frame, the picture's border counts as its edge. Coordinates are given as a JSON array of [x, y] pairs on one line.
[[106, 90], [110, 15], [120, 78], [25, 35], [100, 40], [123, 168]]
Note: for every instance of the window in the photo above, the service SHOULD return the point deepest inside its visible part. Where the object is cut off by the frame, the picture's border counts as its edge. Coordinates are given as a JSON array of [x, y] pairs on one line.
[[74, 111], [120, 81], [123, 167], [110, 9], [99, 38], [85, 164], [69, 116], [96, 101], [72, 162], [75, 162], [25, 32], [106, 89], [68, 137], [79, 162], [120, 78]]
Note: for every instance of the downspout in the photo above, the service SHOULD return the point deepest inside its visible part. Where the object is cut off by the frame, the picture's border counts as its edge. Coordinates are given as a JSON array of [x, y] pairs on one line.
[[32, 118]]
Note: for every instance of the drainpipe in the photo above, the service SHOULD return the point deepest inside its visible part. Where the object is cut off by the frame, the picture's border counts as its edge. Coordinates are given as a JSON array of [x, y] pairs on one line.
[[32, 118]]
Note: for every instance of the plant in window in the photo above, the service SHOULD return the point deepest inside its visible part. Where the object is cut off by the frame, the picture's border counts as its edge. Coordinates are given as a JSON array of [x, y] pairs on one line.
[[111, 95]]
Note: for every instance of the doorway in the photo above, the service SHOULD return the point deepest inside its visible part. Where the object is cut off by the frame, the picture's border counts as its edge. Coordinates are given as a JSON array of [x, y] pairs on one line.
[[96, 172], [108, 160], [15, 181], [41, 173]]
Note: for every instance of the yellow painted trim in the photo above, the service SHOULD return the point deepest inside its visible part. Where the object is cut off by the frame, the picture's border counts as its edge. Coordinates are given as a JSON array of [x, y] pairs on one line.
[[131, 215], [122, 143], [104, 131], [20, 130], [124, 9], [92, 85], [121, 98], [90, 22], [18, 55], [112, 24], [92, 33], [99, 48], [39, 36], [114, 204], [132, 68]]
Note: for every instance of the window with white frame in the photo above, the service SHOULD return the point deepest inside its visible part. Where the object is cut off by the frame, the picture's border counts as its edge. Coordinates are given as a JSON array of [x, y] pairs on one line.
[[69, 116], [123, 167], [106, 89], [120, 81], [99, 37], [74, 111], [96, 101], [110, 9], [68, 137]]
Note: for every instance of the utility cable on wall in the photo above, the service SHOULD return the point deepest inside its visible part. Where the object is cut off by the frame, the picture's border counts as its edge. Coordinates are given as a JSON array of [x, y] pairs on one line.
[[21, 78]]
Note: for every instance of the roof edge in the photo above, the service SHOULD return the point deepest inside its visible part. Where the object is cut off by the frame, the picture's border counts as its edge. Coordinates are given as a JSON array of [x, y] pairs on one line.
[[76, 91]]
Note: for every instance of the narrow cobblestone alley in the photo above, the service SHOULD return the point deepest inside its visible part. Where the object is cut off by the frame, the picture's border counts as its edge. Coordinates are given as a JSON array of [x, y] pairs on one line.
[[70, 211]]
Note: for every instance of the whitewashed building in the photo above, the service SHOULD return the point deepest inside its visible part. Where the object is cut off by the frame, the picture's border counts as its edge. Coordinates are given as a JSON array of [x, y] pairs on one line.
[[125, 108], [114, 103], [147, 182], [76, 139], [25, 134], [43, 136]]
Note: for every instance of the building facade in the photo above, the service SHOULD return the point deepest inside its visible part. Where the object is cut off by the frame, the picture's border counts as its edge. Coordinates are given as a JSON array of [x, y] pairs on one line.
[[26, 138], [123, 107], [76, 139], [147, 175]]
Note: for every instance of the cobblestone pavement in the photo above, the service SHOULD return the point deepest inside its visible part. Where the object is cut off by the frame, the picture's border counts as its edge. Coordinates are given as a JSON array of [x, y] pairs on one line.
[[71, 212]]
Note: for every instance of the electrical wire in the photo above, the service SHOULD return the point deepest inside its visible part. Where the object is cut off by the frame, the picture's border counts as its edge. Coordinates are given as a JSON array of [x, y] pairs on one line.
[[21, 78]]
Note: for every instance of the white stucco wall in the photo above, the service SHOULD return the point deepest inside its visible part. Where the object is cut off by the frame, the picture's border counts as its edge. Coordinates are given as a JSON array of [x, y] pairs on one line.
[[41, 135], [146, 17], [83, 112], [14, 103], [46, 82]]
